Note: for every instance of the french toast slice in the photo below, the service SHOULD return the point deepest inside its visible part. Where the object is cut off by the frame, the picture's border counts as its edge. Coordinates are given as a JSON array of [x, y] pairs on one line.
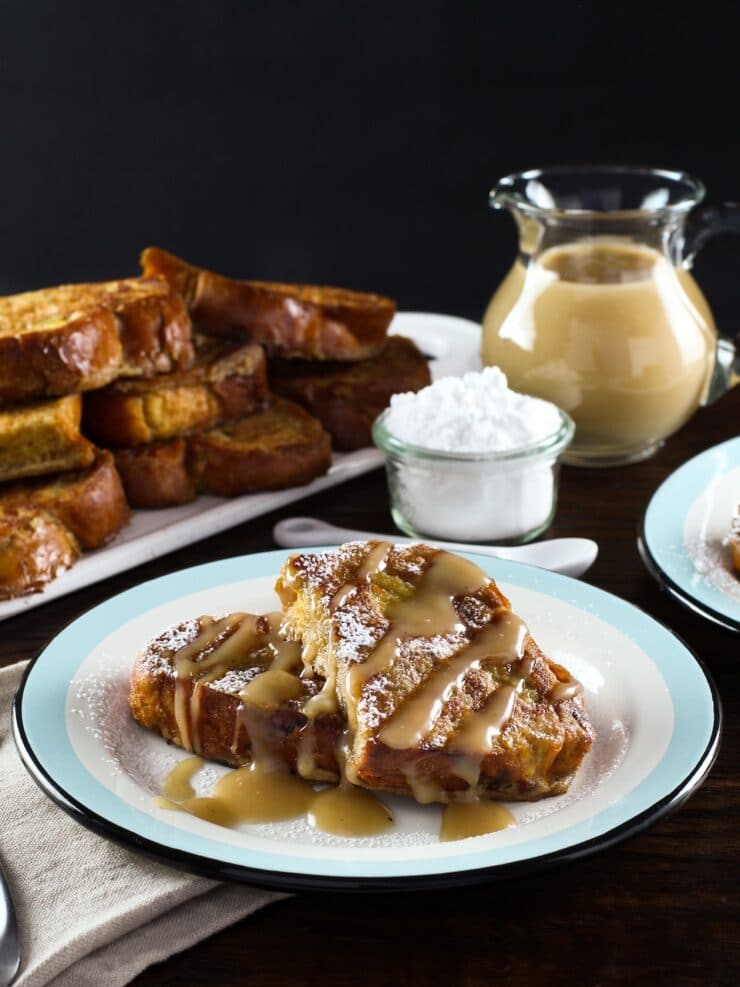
[[229, 689], [156, 475], [348, 397], [227, 381], [734, 540], [90, 503], [35, 547], [277, 446], [43, 437], [444, 691], [289, 320], [75, 337]]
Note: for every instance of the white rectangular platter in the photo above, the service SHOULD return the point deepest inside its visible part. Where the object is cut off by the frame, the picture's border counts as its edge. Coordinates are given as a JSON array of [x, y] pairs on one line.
[[452, 346]]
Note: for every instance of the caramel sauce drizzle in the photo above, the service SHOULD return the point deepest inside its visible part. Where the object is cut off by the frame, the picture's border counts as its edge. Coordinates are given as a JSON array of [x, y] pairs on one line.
[[374, 562], [271, 688], [501, 642], [257, 793], [222, 645], [430, 612], [476, 734], [461, 820], [325, 701], [341, 596], [177, 784], [425, 790], [565, 690], [194, 715], [349, 811]]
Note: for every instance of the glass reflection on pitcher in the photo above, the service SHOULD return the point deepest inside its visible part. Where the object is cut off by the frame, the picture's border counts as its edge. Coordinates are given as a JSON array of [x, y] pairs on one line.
[[600, 313]]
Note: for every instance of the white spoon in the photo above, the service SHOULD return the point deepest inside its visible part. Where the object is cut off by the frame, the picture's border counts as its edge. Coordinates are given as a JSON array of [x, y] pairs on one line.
[[571, 556]]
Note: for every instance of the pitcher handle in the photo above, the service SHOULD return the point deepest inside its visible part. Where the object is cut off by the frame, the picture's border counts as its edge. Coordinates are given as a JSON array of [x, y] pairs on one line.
[[703, 224]]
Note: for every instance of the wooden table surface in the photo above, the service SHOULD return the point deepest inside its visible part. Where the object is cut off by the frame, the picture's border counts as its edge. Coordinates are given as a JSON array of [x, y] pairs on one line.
[[661, 908]]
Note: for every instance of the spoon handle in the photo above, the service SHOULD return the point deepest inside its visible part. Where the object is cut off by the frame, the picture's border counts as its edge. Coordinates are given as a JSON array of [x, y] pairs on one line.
[[572, 556], [10, 949]]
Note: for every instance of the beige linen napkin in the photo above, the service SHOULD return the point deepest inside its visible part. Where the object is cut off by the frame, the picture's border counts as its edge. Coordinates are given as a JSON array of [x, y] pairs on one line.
[[91, 913]]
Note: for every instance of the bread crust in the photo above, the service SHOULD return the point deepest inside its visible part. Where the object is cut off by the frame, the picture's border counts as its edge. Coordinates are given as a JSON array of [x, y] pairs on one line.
[[278, 446], [77, 337], [312, 322], [90, 503], [348, 397], [226, 382], [41, 438], [35, 547]]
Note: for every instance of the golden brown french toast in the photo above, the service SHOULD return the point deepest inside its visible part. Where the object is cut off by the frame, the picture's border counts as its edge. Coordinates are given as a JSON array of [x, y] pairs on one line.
[[735, 540], [278, 446], [35, 547], [348, 397], [90, 503], [80, 336], [229, 688], [275, 447], [227, 381], [444, 691], [156, 475], [43, 437], [433, 687], [289, 320]]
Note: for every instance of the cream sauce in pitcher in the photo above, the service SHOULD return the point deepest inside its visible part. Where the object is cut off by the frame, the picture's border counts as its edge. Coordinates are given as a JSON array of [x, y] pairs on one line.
[[612, 333], [600, 313]]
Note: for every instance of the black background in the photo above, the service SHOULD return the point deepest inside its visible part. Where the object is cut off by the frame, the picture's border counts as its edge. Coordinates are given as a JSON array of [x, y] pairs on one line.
[[350, 143]]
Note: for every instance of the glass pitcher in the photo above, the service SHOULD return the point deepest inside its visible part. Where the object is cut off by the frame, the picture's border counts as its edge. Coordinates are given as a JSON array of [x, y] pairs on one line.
[[600, 313]]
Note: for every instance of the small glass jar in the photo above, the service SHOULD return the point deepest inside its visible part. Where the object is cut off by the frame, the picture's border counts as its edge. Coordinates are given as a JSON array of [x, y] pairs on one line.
[[502, 498]]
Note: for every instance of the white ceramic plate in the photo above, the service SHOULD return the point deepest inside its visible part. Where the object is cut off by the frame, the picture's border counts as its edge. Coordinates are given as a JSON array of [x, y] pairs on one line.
[[654, 709], [452, 346], [683, 540]]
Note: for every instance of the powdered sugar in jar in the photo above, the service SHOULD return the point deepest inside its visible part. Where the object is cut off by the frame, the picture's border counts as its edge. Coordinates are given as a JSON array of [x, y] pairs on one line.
[[470, 460]]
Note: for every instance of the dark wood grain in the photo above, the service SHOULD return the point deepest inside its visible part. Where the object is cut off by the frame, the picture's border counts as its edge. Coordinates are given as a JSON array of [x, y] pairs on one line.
[[661, 908]]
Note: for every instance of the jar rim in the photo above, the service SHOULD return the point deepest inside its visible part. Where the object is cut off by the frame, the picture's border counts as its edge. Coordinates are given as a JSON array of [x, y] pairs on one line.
[[549, 446], [520, 189]]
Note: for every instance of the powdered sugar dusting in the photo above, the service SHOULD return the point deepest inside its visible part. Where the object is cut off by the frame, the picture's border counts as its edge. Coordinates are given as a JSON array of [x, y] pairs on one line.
[[713, 560], [707, 530], [474, 413], [157, 656], [233, 680]]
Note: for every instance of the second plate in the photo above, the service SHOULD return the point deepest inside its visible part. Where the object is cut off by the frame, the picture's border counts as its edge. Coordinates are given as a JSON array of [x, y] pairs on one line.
[[683, 539]]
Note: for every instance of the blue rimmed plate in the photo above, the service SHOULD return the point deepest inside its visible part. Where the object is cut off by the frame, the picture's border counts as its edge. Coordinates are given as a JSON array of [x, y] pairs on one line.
[[654, 708], [683, 538]]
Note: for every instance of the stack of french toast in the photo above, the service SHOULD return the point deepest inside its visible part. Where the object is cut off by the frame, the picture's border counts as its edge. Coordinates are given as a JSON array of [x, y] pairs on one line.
[[148, 391]]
